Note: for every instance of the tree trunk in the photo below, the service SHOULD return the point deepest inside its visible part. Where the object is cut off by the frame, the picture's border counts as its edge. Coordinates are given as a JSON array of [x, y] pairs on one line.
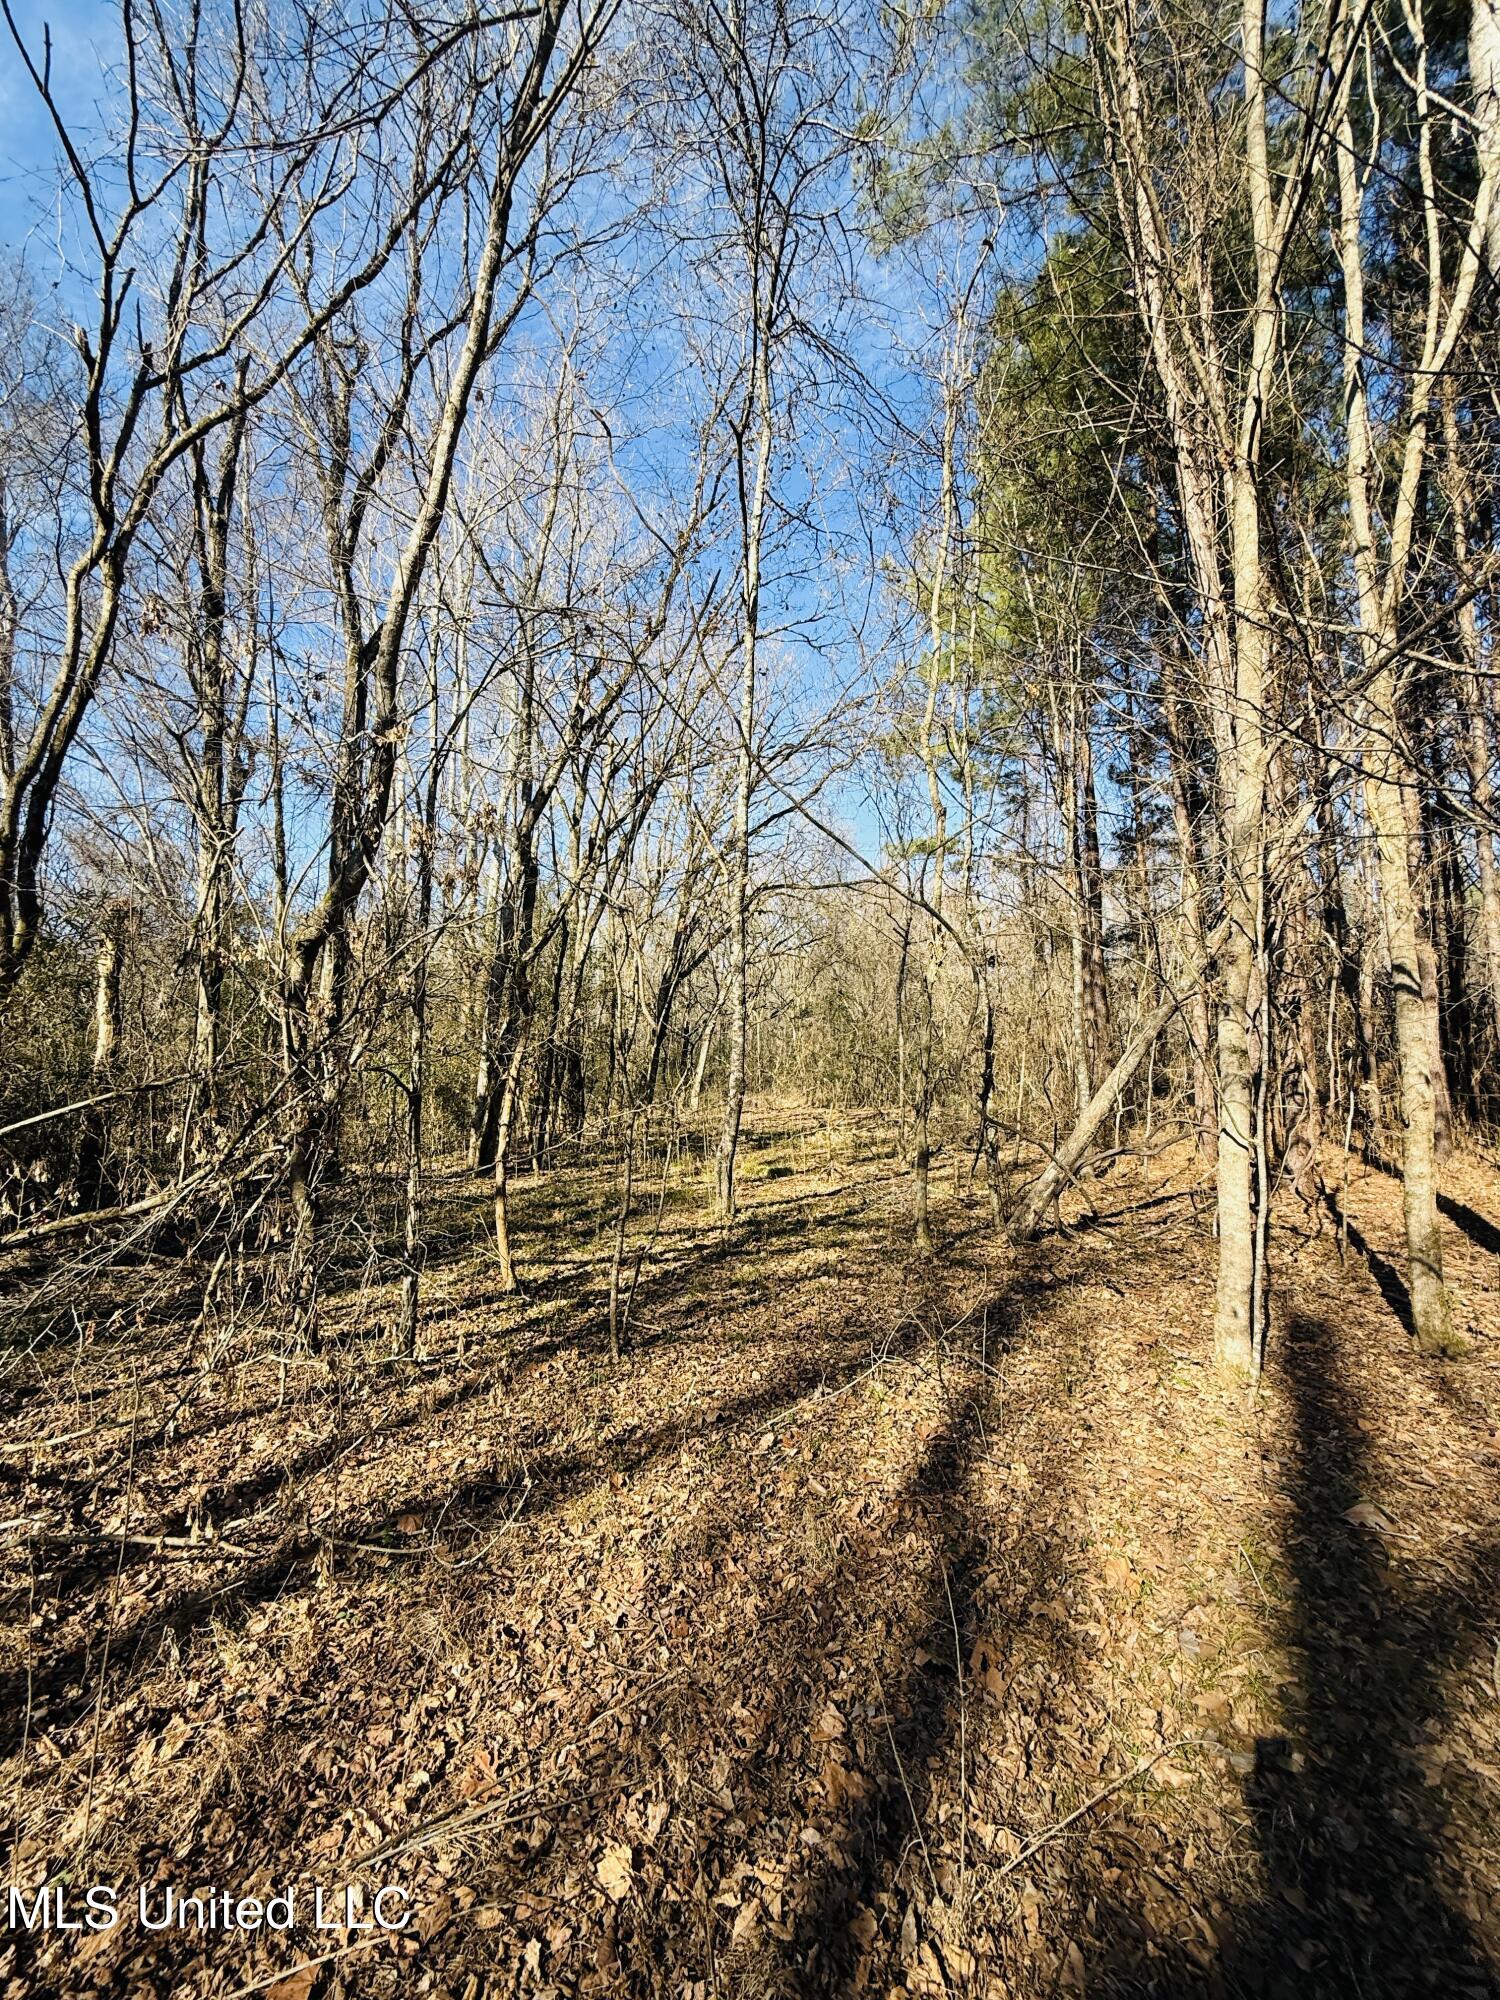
[[504, 1254], [1027, 1216], [1351, 965], [1186, 807], [1472, 689], [547, 1066], [1389, 804], [753, 525], [1431, 1314], [1482, 798], [97, 1182]]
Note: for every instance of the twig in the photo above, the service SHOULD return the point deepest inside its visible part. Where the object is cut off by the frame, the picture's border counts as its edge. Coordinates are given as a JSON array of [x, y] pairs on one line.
[[963, 1741], [152, 1544], [1256, 1574], [901, 1774], [109, 1629], [468, 1816], [1088, 1805]]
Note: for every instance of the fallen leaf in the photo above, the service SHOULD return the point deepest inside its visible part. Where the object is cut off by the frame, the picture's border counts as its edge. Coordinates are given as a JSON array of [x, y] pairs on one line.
[[1031, 1904], [615, 1870], [296, 1985], [174, 1736], [909, 1934]]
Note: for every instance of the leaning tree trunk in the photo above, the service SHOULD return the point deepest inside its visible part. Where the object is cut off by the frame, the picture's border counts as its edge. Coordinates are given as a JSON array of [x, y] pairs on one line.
[[1027, 1216]]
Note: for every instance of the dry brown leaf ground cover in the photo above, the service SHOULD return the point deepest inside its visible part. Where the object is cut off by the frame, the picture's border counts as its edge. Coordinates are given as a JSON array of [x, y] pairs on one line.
[[871, 1628]]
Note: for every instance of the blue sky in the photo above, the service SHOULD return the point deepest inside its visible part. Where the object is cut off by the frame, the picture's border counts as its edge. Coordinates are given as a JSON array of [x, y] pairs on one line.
[[886, 333], [82, 30]]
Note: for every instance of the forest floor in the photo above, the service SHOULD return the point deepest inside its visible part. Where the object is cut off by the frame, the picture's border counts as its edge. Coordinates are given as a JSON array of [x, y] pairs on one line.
[[873, 1627]]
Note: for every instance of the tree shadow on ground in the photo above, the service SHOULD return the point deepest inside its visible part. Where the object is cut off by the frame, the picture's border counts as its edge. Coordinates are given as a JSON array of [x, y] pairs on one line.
[[1356, 1896], [1392, 1285], [1480, 1231], [59, 1689], [883, 1632], [1128, 1214], [1360, 1897], [889, 1895]]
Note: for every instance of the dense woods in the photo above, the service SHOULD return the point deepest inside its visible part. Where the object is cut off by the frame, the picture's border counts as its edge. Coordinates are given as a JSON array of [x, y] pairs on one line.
[[495, 653], [605, 605]]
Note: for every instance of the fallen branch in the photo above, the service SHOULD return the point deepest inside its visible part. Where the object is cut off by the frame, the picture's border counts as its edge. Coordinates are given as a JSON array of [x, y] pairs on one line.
[[108, 1097], [88, 1218], [177, 1545]]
